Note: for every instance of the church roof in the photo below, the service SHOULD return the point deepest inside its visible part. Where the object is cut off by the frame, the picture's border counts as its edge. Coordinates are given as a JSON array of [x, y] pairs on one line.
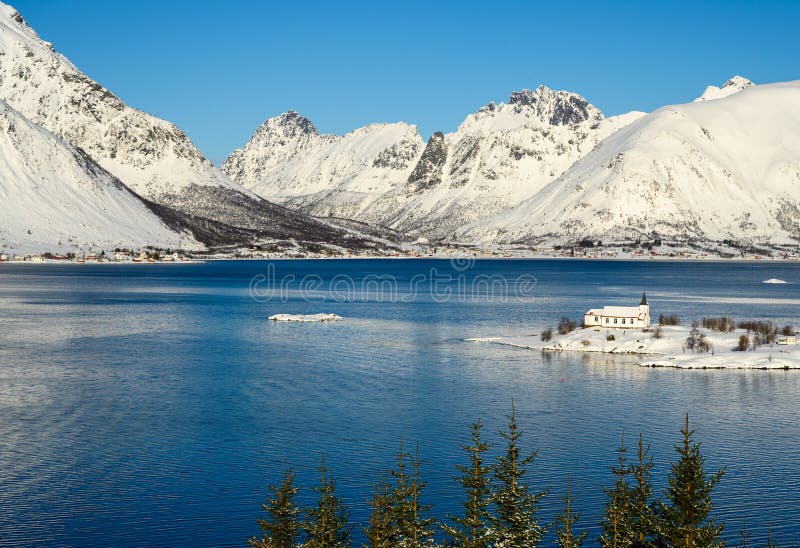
[[644, 299], [616, 311]]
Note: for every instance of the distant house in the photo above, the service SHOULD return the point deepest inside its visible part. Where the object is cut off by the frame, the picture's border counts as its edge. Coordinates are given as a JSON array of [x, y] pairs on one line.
[[787, 339], [626, 317]]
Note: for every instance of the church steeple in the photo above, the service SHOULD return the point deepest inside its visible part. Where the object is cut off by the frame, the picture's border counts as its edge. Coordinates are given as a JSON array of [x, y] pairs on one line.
[[644, 300]]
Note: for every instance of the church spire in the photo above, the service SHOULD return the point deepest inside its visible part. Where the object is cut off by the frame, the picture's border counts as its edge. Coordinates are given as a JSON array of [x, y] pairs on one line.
[[644, 299]]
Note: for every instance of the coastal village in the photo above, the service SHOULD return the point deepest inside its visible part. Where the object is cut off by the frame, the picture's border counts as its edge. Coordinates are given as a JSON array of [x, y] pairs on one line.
[[288, 249]]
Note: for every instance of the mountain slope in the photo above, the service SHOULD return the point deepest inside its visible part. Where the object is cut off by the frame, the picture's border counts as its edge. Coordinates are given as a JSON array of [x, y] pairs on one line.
[[497, 157], [383, 173], [151, 156], [288, 161], [53, 196], [727, 168]]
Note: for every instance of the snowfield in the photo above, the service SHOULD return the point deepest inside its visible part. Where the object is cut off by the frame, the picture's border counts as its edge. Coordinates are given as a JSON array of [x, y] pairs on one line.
[[668, 351]]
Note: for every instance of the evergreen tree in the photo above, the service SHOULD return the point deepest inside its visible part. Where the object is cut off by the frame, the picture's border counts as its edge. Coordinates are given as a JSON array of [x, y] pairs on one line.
[[473, 530], [326, 525], [566, 536], [644, 522], [282, 526], [515, 524], [381, 532], [686, 519], [617, 523], [409, 516], [744, 534]]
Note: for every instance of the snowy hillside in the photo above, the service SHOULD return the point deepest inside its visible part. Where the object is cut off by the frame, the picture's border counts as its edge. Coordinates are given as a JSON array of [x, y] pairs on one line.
[[708, 170], [288, 161], [384, 174], [150, 156], [54, 197], [497, 157]]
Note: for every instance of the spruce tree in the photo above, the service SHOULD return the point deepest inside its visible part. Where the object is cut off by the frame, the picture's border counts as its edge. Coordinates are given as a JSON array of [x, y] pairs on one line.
[[643, 516], [686, 518], [515, 524], [473, 529], [326, 525], [282, 526], [409, 516], [381, 532], [617, 522], [566, 537]]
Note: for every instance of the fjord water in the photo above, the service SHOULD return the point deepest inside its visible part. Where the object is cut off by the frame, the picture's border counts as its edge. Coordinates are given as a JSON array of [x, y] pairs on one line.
[[145, 405]]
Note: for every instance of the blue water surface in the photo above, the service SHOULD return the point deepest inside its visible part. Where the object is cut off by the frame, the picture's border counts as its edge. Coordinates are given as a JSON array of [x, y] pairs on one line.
[[151, 405]]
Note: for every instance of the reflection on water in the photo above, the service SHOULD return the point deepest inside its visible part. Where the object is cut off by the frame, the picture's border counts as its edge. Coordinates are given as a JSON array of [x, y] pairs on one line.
[[150, 406]]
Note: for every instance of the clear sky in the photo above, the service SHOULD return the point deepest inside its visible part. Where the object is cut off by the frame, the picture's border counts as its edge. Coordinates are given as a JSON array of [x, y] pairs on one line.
[[219, 68]]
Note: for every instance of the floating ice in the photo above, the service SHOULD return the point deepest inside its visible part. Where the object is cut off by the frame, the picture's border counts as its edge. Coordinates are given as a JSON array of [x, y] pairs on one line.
[[305, 318], [774, 281]]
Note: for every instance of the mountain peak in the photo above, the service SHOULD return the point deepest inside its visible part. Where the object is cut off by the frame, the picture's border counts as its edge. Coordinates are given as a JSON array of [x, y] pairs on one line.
[[734, 85], [557, 108], [737, 81], [291, 124]]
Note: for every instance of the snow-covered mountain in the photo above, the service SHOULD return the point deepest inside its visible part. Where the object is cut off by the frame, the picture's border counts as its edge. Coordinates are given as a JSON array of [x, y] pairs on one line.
[[498, 157], [53, 196], [384, 174], [707, 170], [149, 155], [289, 162], [734, 85]]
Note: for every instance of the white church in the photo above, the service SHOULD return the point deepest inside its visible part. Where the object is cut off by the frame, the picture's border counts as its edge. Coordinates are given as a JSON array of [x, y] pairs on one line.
[[619, 316]]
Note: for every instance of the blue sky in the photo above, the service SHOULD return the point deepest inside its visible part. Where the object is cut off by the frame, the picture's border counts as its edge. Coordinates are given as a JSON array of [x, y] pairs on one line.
[[219, 68]]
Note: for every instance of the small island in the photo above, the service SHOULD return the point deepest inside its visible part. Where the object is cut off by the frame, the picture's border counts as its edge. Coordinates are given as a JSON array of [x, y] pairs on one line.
[[708, 343]]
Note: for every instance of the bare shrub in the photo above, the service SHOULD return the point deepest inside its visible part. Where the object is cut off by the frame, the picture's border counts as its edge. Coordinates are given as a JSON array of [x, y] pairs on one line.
[[585, 342], [672, 319], [694, 337], [546, 335], [658, 332], [566, 326], [787, 330], [744, 343], [723, 324], [703, 345], [766, 331]]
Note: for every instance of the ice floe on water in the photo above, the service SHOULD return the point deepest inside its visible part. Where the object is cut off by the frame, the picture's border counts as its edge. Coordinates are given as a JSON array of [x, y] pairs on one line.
[[774, 281], [305, 318]]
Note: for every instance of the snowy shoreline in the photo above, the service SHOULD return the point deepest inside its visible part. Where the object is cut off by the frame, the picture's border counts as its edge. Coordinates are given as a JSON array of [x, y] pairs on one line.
[[668, 351], [776, 260]]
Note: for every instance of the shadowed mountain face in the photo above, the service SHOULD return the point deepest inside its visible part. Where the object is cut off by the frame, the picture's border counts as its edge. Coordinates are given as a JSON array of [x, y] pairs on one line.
[[149, 155]]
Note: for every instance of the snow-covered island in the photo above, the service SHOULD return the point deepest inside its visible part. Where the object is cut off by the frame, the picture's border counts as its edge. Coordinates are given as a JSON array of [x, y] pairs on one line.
[[713, 343], [305, 318]]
